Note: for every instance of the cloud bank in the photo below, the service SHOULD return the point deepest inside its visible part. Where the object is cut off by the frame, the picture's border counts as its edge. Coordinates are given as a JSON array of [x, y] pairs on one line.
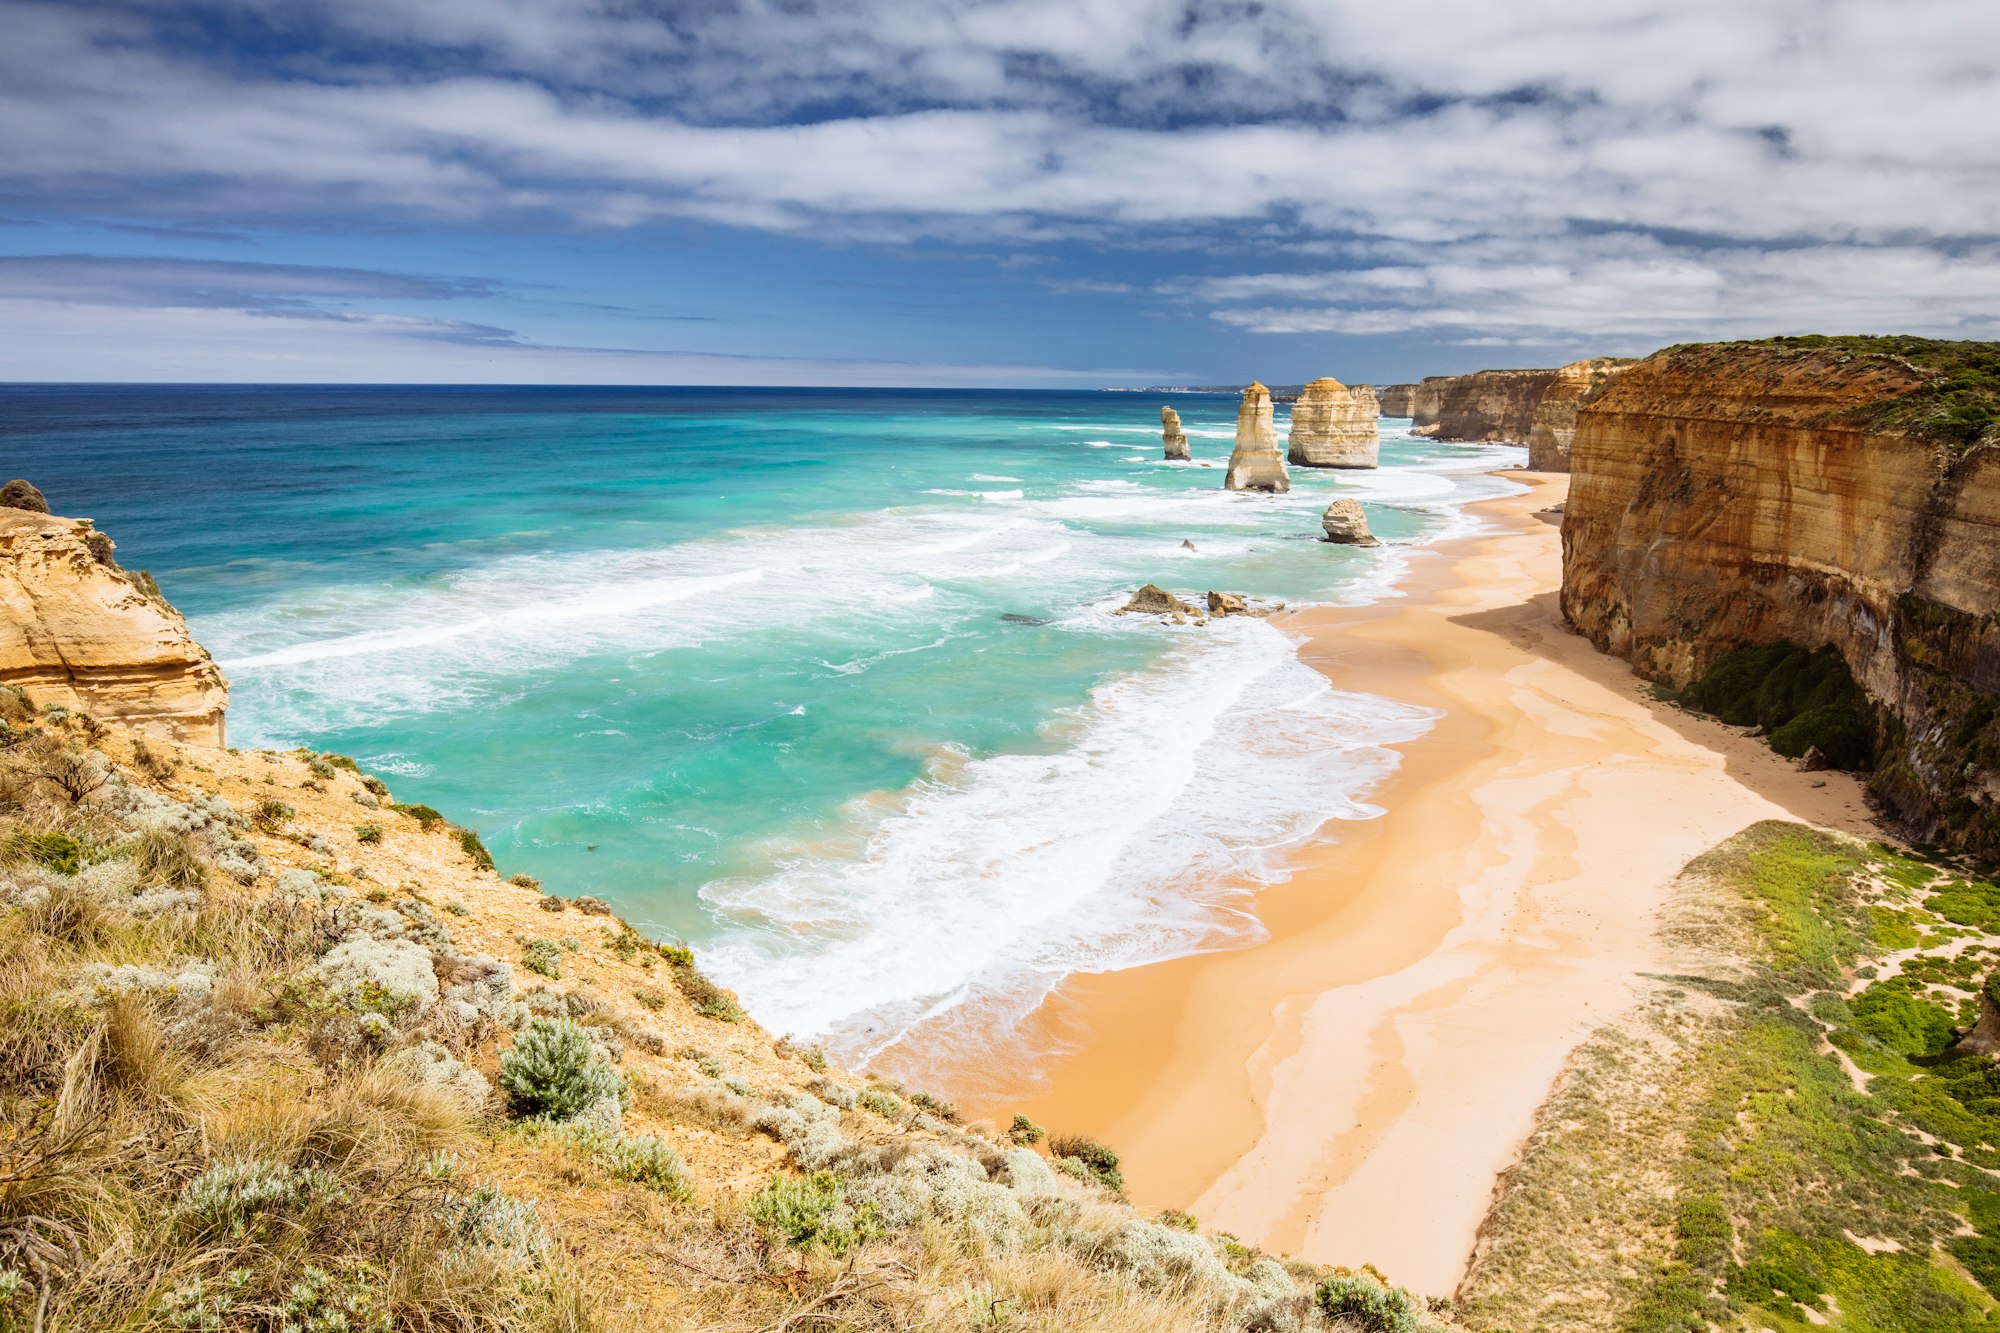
[[1619, 171]]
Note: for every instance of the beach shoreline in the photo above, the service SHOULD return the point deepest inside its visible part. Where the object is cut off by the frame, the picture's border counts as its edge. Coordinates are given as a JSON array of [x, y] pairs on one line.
[[1350, 1088]]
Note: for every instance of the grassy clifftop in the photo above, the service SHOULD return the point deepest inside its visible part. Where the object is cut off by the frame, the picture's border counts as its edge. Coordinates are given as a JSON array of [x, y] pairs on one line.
[[277, 1054], [1791, 1136], [1932, 388]]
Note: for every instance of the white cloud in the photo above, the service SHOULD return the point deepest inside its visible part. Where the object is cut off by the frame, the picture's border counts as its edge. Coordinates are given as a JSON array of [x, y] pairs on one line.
[[43, 340], [1789, 160]]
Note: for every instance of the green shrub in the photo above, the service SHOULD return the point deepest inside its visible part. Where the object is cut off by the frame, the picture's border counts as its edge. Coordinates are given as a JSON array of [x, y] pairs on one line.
[[650, 1161], [423, 814], [553, 1072], [544, 958], [57, 851], [812, 1212], [271, 813], [525, 882], [368, 833], [1364, 1301], [1096, 1159], [708, 999], [1804, 699], [1025, 1130], [230, 1200], [881, 1103], [1890, 1014], [937, 1106], [469, 842]]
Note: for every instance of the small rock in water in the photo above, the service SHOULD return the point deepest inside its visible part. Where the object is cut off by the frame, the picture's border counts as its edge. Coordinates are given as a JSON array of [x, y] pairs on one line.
[[1345, 523], [1227, 604], [1187, 545], [1153, 600], [1016, 618]]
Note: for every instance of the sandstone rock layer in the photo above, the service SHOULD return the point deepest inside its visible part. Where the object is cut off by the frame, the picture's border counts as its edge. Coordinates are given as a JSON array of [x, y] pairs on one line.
[[1333, 426], [1255, 464], [1729, 495], [1554, 423], [78, 631], [1346, 523], [1396, 399], [1487, 406], [1175, 438]]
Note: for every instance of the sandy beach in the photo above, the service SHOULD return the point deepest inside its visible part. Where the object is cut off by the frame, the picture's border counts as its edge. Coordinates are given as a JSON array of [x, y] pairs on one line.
[[1350, 1088]]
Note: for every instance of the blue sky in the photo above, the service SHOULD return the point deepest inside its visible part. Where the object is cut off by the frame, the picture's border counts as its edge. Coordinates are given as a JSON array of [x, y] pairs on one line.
[[1016, 192]]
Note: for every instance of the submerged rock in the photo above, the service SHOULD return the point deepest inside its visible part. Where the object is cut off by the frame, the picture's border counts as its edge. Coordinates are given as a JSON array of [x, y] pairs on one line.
[[1346, 523], [1334, 426], [1255, 464], [1153, 600], [1171, 432]]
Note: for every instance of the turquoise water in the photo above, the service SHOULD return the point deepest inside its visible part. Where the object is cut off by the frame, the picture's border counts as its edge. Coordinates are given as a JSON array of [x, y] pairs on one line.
[[826, 682]]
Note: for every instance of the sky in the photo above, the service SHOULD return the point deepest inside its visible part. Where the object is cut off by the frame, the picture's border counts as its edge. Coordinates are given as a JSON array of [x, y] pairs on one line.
[[1033, 193]]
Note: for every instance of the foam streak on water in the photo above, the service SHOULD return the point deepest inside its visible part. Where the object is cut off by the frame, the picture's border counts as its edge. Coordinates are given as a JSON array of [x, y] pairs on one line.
[[1170, 795]]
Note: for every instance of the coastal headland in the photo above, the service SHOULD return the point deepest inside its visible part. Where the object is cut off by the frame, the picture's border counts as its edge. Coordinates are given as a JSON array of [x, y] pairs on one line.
[[1354, 1085]]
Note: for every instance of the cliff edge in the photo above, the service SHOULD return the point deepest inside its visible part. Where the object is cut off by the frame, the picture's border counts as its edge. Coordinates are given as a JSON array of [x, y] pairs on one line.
[[77, 630], [1814, 492]]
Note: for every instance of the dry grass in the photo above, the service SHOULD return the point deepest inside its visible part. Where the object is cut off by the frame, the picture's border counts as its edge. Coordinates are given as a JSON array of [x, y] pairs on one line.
[[198, 1130]]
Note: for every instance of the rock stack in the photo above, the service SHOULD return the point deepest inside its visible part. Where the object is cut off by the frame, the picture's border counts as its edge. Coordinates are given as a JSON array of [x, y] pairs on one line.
[[1334, 426], [1255, 464], [1175, 437], [1346, 524]]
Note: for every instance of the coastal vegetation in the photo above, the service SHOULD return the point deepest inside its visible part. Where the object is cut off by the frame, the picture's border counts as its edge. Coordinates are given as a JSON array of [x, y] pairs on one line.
[[1796, 1132], [1806, 701], [251, 1079]]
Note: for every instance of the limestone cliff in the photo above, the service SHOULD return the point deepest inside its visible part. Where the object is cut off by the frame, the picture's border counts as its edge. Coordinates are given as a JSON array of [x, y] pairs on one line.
[[1554, 423], [1175, 438], [77, 630], [1487, 406], [1817, 492], [1255, 464], [1396, 399], [1333, 426]]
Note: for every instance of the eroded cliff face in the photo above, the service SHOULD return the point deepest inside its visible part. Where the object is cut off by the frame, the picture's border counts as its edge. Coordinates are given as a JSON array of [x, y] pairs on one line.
[[1728, 495], [1396, 399], [1487, 406], [1554, 423], [77, 630], [1333, 426]]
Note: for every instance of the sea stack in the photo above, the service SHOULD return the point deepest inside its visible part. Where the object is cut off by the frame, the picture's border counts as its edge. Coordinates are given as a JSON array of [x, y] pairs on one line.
[[1175, 437], [1346, 524], [1334, 426], [1255, 464]]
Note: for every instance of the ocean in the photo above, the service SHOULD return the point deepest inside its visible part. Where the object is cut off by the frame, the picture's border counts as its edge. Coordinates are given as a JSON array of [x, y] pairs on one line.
[[825, 682]]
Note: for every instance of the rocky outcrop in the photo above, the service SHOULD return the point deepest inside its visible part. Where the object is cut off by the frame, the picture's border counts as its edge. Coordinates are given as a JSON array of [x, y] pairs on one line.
[[1347, 524], [76, 630], [1153, 600], [1487, 406], [1730, 495], [1255, 464], [1170, 431], [1396, 399], [1554, 424], [1333, 426]]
